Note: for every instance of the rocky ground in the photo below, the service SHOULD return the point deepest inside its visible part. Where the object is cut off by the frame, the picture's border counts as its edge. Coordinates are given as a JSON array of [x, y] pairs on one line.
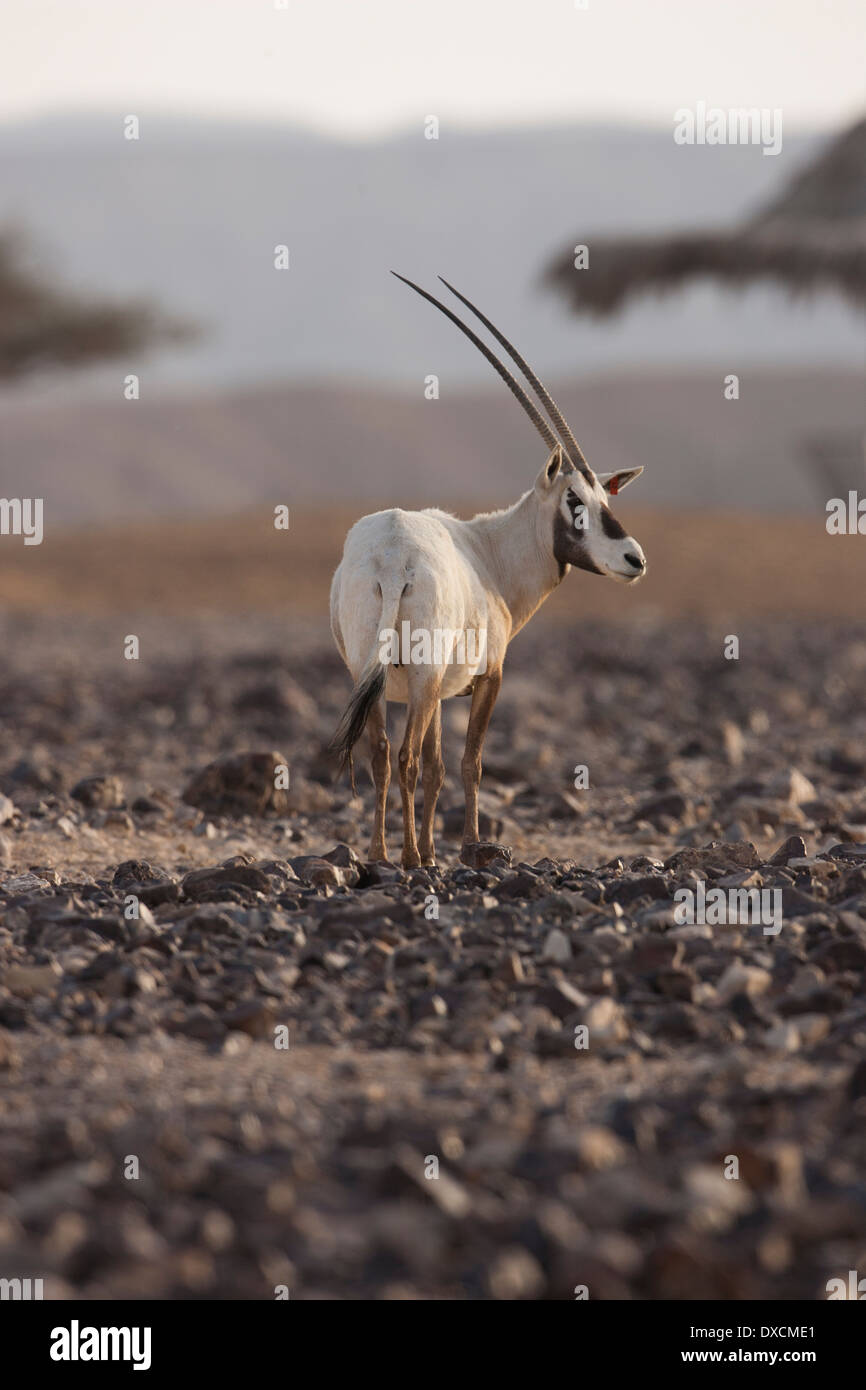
[[250, 1084]]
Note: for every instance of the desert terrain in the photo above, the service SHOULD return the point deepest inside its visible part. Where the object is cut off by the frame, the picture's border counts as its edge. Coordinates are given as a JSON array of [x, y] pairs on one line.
[[433, 1018]]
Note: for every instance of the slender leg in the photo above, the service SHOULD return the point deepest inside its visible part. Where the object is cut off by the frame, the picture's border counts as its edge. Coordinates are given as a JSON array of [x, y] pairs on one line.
[[483, 699], [422, 703], [432, 777], [380, 758]]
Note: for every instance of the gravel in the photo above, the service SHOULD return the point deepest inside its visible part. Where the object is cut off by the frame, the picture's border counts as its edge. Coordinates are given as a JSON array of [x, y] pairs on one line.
[[235, 1057]]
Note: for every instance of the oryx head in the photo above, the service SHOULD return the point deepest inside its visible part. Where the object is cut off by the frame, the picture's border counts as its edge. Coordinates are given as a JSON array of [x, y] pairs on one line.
[[586, 533], [575, 519]]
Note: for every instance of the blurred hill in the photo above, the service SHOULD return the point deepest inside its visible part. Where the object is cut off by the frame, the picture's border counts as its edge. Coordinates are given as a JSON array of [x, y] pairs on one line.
[[189, 215], [216, 453]]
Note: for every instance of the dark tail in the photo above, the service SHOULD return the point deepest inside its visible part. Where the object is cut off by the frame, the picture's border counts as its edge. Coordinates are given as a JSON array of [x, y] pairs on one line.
[[368, 690]]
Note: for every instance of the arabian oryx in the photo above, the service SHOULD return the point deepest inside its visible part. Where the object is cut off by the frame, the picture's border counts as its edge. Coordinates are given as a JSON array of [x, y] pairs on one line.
[[440, 581]]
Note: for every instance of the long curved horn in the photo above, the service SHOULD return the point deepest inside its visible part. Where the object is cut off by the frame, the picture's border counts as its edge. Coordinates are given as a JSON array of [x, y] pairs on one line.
[[574, 450], [535, 415]]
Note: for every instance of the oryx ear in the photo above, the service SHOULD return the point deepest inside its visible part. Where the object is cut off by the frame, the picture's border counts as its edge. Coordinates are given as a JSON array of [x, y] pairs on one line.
[[551, 470], [615, 482]]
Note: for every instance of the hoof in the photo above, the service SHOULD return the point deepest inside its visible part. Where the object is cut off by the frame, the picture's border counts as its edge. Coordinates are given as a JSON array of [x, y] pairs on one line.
[[484, 852], [411, 861]]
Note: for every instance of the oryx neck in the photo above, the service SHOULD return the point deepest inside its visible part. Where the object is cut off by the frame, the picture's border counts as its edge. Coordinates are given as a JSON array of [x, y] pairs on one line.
[[523, 567]]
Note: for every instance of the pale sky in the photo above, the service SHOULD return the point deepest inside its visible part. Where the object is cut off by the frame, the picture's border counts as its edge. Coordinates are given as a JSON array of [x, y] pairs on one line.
[[360, 68]]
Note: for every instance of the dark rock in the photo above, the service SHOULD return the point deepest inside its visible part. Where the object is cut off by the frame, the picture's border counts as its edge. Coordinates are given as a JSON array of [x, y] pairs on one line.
[[563, 806], [378, 873], [841, 954], [37, 773], [628, 890], [676, 984], [856, 1087], [200, 1023], [824, 1000], [281, 698], [140, 872], [562, 998], [719, 854], [153, 894], [319, 873], [208, 884], [792, 848], [847, 762], [256, 1017], [671, 805], [656, 953], [479, 855], [680, 1023], [244, 784], [797, 904], [745, 1009], [857, 852], [344, 858]]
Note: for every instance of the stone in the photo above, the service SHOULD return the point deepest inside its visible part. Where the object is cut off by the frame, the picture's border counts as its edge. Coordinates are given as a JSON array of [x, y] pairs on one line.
[[598, 1148], [798, 904], [750, 980], [479, 855], [255, 1017], [725, 855], [243, 784], [783, 1037], [672, 805], [9, 1055], [25, 981], [562, 998], [606, 1022], [318, 873], [791, 786], [628, 889], [515, 1274], [209, 884], [733, 743], [842, 953], [856, 1085], [21, 884], [856, 852], [811, 1028], [99, 793], [792, 848], [511, 969], [139, 871], [557, 947]]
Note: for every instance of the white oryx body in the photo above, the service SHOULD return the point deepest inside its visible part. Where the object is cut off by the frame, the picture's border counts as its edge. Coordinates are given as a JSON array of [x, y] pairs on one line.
[[459, 591], [415, 567]]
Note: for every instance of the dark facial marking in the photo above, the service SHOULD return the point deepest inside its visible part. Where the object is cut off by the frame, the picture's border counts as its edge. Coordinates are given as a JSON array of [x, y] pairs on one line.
[[570, 548], [611, 526]]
